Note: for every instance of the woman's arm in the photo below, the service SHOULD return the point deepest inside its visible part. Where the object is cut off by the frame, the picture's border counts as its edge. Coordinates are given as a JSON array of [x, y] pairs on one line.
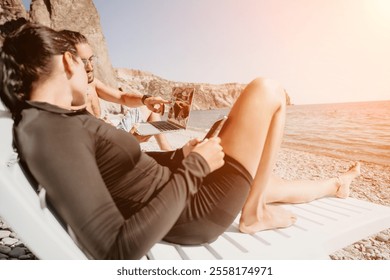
[[64, 163], [171, 159]]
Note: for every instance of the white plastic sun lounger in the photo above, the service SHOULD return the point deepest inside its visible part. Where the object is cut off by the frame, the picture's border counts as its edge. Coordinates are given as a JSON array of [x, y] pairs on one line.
[[24, 210], [323, 226]]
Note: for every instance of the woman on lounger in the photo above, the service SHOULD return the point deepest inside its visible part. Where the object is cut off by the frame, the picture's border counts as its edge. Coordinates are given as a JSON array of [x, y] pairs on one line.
[[120, 201]]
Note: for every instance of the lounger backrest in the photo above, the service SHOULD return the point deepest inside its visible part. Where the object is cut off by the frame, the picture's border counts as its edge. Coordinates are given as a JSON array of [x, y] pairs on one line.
[[25, 210]]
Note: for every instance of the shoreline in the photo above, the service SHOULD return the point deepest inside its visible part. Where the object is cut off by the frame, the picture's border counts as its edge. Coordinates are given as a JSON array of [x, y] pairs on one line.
[[372, 185]]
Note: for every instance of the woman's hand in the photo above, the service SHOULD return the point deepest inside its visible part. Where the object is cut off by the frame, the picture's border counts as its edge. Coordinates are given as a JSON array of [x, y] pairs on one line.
[[140, 138], [187, 148], [211, 150], [107, 120]]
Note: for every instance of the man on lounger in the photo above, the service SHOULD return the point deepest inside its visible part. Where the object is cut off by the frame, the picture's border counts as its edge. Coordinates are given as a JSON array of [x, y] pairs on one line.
[[142, 108]]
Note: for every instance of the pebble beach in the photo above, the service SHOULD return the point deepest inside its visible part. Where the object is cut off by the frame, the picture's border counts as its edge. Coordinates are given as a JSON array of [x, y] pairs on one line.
[[372, 185]]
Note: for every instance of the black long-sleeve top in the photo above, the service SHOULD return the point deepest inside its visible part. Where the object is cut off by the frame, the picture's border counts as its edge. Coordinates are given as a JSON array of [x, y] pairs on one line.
[[118, 200]]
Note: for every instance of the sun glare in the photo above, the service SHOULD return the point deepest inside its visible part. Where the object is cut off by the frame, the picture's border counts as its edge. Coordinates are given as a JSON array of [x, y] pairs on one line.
[[381, 11]]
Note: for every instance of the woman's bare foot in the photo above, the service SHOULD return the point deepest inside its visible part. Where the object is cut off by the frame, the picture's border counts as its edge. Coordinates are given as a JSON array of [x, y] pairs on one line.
[[271, 218], [344, 181]]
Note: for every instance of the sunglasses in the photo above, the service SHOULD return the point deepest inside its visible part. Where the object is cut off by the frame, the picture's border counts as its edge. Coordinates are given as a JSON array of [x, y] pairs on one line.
[[89, 61]]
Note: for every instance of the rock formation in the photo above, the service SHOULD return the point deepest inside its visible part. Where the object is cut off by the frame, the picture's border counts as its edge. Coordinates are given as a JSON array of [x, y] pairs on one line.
[[10, 10], [208, 96], [81, 16]]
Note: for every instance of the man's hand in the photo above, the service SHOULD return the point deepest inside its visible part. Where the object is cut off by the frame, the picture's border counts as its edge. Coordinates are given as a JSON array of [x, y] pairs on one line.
[[156, 104]]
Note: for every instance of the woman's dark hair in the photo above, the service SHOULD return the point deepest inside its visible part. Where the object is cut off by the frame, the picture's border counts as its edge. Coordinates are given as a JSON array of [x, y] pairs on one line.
[[74, 36], [26, 57]]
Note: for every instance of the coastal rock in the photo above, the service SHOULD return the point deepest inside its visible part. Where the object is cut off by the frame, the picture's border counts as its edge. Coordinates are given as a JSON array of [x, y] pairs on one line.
[[4, 249], [3, 257], [8, 241], [4, 233], [382, 238], [11, 9], [208, 96], [3, 225], [26, 257], [80, 16], [17, 252]]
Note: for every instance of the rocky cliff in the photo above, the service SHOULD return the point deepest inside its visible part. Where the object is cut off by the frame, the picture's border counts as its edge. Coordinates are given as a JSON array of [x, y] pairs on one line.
[[77, 15], [208, 96], [10, 10], [82, 16]]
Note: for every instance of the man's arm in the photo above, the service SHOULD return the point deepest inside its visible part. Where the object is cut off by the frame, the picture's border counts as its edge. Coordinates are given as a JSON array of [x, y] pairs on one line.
[[93, 104], [155, 104], [114, 95]]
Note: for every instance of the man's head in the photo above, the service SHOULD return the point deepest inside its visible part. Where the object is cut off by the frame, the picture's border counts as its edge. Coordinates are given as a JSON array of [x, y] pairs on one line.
[[84, 50]]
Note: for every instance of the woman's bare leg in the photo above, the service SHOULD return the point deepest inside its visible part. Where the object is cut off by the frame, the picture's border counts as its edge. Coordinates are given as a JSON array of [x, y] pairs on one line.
[[161, 139], [252, 135], [301, 191]]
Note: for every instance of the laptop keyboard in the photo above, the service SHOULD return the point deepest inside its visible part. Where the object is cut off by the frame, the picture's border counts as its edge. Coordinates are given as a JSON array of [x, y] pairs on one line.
[[164, 126]]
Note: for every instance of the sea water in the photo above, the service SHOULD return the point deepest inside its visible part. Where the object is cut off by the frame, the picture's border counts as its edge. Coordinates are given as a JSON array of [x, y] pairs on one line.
[[353, 131]]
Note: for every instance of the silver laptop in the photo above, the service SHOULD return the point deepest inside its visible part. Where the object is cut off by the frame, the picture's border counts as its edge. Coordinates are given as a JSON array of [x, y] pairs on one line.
[[178, 115]]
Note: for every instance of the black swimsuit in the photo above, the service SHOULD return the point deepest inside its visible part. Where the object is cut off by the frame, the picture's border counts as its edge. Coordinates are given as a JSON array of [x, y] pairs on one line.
[[118, 200]]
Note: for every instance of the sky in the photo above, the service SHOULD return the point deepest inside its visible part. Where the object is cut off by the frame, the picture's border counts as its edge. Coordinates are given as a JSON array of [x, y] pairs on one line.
[[321, 51]]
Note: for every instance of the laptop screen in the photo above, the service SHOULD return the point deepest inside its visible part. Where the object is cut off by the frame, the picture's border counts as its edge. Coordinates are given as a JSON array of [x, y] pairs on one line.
[[179, 112]]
